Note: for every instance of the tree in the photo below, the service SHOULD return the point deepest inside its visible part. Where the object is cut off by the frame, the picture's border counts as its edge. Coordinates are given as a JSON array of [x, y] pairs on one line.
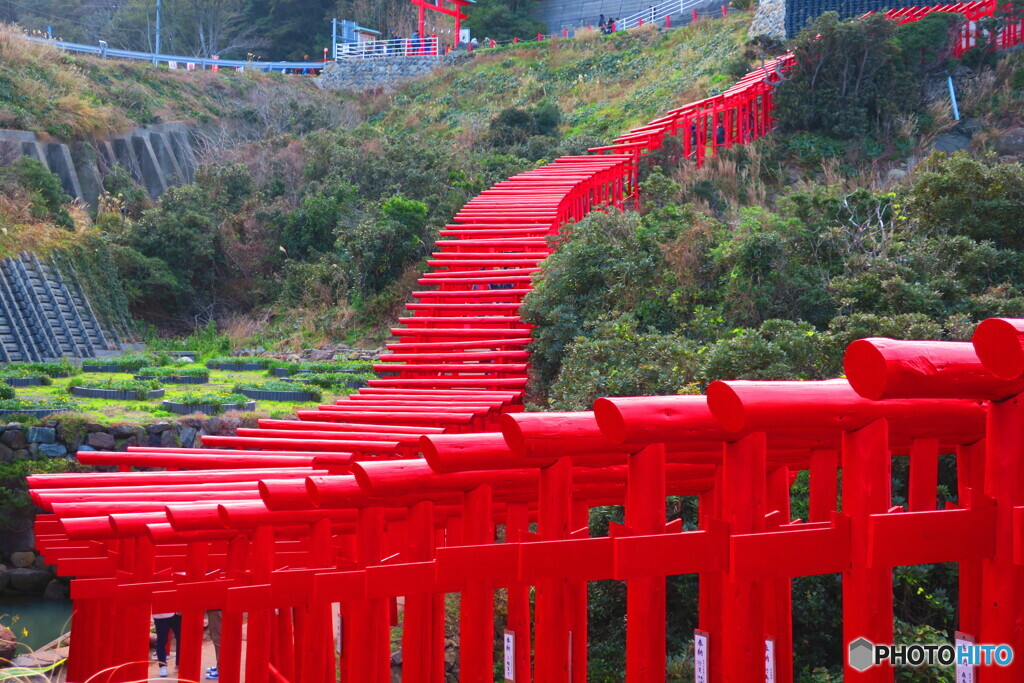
[[849, 77]]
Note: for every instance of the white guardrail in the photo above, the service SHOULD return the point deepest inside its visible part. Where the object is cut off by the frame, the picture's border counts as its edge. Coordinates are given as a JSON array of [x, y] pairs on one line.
[[396, 47], [656, 13], [181, 62]]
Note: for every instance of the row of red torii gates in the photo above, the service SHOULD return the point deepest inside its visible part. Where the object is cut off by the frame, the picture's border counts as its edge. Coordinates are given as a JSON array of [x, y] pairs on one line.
[[406, 489], [281, 537]]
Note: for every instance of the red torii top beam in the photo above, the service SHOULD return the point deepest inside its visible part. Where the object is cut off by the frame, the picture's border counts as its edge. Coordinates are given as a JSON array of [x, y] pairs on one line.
[[438, 6]]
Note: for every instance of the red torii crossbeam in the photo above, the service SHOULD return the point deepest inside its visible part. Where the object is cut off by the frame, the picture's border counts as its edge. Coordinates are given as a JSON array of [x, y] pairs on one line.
[[438, 6]]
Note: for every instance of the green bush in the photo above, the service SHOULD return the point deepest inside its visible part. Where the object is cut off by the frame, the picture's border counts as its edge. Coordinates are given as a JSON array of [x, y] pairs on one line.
[[182, 231], [850, 77], [614, 359], [44, 188], [512, 126], [982, 200], [378, 249], [6, 391]]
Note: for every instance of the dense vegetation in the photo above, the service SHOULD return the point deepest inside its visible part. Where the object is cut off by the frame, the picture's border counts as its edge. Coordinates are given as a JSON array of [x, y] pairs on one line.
[[316, 231]]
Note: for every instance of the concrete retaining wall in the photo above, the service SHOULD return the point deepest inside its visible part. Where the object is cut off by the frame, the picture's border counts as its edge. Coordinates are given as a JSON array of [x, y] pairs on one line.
[[157, 157]]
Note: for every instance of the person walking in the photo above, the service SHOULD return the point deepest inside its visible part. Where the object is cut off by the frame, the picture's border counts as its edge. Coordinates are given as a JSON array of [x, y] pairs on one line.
[[166, 622], [213, 618]]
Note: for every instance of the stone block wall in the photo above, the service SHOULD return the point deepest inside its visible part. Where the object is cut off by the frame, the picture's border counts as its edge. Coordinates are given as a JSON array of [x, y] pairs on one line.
[[383, 72]]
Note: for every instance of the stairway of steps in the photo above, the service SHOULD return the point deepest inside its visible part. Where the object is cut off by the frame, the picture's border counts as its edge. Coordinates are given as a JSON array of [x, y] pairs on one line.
[[44, 314]]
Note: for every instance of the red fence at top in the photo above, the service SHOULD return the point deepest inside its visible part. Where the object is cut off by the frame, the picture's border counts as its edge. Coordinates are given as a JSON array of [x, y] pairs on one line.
[[972, 33], [434, 481]]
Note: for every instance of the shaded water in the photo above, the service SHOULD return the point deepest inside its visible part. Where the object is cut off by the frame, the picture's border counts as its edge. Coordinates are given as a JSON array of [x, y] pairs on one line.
[[35, 621]]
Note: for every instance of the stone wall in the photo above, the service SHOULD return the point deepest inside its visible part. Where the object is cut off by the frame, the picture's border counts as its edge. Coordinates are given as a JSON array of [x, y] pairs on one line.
[[22, 572], [157, 157], [769, 19], [382, 73], [18, 441]]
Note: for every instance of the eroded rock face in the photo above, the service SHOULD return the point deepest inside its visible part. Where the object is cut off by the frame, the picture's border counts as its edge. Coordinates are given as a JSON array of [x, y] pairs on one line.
[[1011, 143]]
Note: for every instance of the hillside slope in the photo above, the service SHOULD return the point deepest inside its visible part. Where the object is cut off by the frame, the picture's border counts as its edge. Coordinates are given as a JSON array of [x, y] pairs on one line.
[[602, 84], [73, 97]]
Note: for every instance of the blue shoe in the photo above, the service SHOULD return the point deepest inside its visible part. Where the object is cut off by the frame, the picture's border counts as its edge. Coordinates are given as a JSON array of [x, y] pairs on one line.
[[212, 674]]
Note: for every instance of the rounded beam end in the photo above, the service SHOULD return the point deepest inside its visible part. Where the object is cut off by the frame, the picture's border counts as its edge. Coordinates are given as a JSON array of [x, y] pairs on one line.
[[610, 420], [726, 406], [998, 343], [513, 433], [866, 369]]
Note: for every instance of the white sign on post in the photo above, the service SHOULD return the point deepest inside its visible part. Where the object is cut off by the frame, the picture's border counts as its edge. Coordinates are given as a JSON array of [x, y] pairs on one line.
[[964, 671], [700, 657], [510, 656], [769, 660]]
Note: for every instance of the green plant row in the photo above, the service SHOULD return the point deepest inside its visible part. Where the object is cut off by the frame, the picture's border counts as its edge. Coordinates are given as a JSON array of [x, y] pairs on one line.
[[322, 366], [130, 362], [172, 371], [56, 369], [313, 391], [140, 386], [239, 359], [35, 404], [333, 380], [19, 373], [201, 398]]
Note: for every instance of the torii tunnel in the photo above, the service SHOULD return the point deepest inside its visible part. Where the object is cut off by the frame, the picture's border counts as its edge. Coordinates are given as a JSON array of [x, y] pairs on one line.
[[434, 481], [347, 522]]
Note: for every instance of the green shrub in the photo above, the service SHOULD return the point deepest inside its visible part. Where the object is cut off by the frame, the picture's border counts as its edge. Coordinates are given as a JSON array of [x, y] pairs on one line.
[[614, 359], [512, 126], [850, 77], [44, 188], [982, 200], [6, 391]]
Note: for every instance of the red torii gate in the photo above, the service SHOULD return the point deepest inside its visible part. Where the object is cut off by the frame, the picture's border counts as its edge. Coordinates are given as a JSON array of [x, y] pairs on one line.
[[438, 6]]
